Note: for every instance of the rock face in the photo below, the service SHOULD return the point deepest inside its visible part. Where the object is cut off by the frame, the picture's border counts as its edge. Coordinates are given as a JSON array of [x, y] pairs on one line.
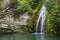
[[5, 3], [7, 20]]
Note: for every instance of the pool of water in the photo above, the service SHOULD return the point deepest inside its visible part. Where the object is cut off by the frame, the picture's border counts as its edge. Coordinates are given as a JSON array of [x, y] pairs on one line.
[[20, 36]]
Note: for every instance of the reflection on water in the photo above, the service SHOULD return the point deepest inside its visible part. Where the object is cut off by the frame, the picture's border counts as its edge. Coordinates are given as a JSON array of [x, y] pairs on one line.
[[27, 37], [40, 37]]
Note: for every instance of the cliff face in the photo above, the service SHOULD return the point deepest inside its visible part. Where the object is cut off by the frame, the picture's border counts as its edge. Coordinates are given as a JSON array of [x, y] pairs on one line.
[[5, 3], [8, 22]]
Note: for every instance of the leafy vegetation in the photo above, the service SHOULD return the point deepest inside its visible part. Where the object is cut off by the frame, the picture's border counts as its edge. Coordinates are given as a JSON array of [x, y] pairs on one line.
[[25, 5], [53, 17]]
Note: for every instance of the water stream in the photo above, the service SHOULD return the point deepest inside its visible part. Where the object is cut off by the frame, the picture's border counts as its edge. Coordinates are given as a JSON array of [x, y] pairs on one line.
[[41, 18]]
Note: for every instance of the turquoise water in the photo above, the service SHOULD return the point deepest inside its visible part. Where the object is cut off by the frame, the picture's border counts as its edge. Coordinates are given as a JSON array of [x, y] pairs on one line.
[[27, 37]]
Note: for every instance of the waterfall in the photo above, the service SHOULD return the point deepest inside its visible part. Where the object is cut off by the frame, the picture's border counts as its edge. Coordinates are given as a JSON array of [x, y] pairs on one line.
[[41, 18]]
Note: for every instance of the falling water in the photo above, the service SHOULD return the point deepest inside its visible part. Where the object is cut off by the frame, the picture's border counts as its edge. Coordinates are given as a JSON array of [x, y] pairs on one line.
[[41, 18]]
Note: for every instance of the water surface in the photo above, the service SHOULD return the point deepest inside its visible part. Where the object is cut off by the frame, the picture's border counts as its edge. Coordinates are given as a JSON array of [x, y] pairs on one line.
[[20, 36]]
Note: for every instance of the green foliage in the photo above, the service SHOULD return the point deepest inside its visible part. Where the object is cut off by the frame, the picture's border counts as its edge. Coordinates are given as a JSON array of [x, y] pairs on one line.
[[25, 5], [29, 5], [52, 19]]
